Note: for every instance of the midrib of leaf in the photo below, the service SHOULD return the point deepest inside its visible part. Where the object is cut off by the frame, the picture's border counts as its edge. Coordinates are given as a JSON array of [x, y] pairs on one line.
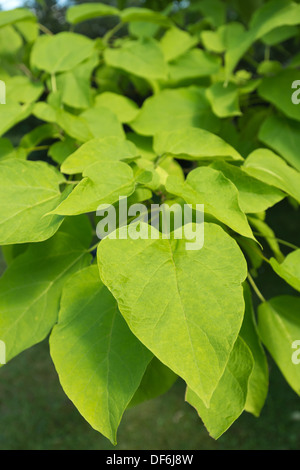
[[30, 207]]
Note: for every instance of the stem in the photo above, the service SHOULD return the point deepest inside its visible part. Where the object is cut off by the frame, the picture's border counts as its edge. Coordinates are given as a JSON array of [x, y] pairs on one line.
[[257, 251], [160, 159], [25, 70], [279, 240], [41, 147], [45, 30], [111, 32], [267, 53], [93, 247], [53, 82], [256, 289], [154, 85]]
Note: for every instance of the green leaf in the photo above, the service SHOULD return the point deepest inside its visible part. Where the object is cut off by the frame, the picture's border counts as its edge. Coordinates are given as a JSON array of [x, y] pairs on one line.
[[278, 91], [283, 136], [224, 100], [279, 35], [143, 144], [270, 16], [6, 149], [266, 166], [60, 52], [194, 144], [103, 183], [38, 135], [75, 126], [176, 42], [60, 151], [10, 42], [12, 114], [87, 11], [193, 64], [142, 57], [102, 122], [213, 10], [107, 149], [150, 278], [229, 398], [145, 14], [289, 269], [157, 380], [29, 29], [142, 29], [218, 194], [75, 84], [124, 108], [22, 90], [254, 195], [266, 232], [30, 290], [278, 326], [14, 16], [30, 190], [110, 361], [175, 109], [259, 378]]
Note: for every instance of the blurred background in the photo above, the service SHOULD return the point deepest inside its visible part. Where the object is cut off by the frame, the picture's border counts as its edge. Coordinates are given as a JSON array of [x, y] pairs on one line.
[[36, 414]]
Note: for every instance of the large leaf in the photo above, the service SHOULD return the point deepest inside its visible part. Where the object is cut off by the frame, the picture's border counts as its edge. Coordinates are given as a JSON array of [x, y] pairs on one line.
[[229, 398], [12, 114], [176, 42], [279, 327], [151, 280], [259, 378], [283, 136], [95, 353], [157, 380], [96, 150], [14, 16], [30, 290], [193, 64], [87, 11], [124, 108], [75, 85], [142, 57], [20, 89], [104, 182], [175, 109], [29, 190], [266, 166], [224, 100], [60, 52], [289, 269], [146, 15], [254, 195], [278, 90], [102, 122], [194, 144], [218, 194]]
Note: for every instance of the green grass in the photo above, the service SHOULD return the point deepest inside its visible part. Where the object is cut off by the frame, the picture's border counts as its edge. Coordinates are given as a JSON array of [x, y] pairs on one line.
[[37, 415]]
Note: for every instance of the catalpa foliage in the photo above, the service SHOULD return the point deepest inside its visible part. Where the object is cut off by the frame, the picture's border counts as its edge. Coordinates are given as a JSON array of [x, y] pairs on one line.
[[158, 110]]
